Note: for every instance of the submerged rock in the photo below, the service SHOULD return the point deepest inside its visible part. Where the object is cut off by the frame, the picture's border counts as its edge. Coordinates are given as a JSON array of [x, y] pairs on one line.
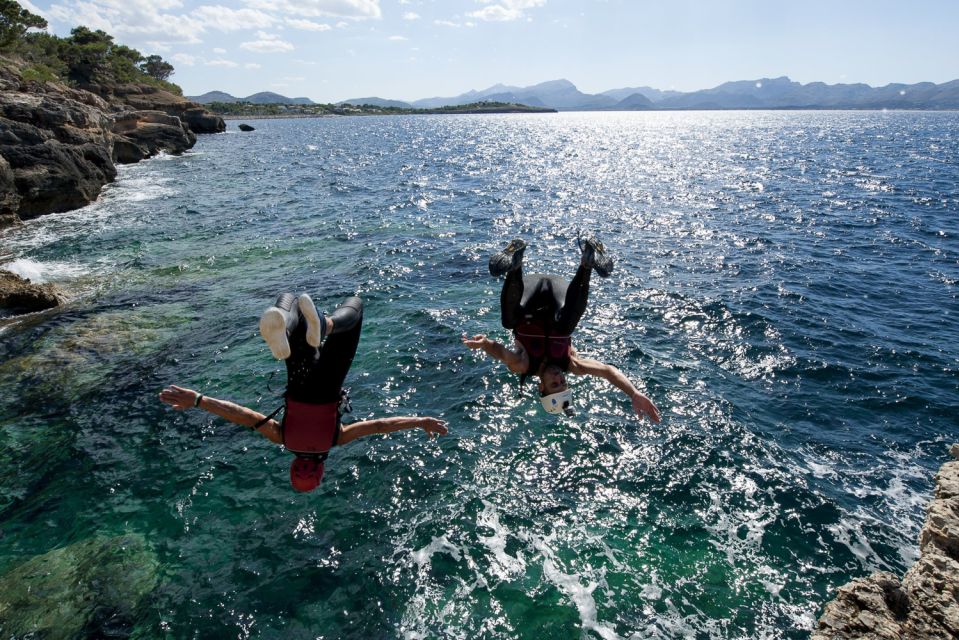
[[925, 603], [246, 127], [19, 295], [93, 588]]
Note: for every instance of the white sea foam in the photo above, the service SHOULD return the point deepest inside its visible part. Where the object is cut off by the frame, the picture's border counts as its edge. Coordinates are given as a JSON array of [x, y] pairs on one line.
[[849, 533], [41, 272], [572, 585], [423, 556], [505, 566]]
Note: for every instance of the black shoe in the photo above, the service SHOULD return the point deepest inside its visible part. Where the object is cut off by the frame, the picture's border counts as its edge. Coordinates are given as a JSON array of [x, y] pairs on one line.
[[594, 257], [509, 259]]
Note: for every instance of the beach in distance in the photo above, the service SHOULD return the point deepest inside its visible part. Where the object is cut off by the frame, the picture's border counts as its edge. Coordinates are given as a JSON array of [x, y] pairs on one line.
[[785, 290]]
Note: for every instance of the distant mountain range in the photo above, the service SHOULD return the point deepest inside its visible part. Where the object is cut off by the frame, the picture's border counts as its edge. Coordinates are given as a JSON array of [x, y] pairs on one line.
[[264, 97], [764, 93]]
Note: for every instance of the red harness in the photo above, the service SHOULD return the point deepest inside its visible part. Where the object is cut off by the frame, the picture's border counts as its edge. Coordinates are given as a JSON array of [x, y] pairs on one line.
[[542, 347], [310, 428]]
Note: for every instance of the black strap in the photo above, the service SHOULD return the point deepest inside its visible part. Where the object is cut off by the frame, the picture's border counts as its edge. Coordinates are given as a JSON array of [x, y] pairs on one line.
[[268, 418]]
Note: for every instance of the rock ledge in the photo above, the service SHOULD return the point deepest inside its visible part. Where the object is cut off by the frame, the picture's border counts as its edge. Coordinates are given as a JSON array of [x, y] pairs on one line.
[[925, 603]]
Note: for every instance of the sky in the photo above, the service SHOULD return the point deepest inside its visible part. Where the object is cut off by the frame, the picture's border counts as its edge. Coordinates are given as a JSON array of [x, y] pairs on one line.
[[332, 50]]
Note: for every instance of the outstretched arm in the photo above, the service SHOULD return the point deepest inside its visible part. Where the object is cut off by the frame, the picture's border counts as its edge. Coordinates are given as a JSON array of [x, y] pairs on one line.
[[642, 405], [432, 426], [181, 398], [516, 361]]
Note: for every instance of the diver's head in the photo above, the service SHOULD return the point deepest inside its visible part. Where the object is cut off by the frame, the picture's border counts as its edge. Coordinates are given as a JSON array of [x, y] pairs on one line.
[[555, 394], [306, 473], [552, 380]]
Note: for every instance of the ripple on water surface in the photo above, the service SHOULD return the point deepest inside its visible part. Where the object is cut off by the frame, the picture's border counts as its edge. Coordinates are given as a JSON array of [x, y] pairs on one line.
[[785, 291]]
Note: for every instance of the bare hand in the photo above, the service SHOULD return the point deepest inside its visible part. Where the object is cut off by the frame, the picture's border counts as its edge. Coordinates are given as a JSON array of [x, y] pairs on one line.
[[476, 342], [178, 397], [643, 406], [434, 427]]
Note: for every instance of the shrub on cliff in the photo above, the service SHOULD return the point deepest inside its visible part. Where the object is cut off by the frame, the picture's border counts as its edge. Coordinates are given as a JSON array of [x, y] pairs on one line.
[[14, 22], [85, 57]]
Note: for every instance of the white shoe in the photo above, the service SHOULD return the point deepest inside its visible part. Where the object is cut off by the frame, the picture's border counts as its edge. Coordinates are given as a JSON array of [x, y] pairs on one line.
[[315, 321], [273, 330]]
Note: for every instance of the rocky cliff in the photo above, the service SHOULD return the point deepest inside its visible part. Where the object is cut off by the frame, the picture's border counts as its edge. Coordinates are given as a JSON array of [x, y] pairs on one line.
[[925, 603], [59, 145]]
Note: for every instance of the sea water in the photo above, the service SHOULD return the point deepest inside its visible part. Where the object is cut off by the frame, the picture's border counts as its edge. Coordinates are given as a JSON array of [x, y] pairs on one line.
[[785, 291]]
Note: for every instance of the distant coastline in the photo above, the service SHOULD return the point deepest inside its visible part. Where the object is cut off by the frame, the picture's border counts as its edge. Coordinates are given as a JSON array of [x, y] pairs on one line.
[[762, 93], [235, 110]]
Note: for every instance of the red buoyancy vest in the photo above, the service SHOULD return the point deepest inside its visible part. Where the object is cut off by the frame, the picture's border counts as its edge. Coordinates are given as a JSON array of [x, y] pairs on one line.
[[540, 346], [310, 428]]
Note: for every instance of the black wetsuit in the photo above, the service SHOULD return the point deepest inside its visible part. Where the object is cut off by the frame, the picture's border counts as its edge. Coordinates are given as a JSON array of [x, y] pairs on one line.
[[548, 302], [314, 375]]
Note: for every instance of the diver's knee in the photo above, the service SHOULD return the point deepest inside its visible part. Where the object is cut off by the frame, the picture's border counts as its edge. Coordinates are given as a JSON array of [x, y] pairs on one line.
[[353, 302]]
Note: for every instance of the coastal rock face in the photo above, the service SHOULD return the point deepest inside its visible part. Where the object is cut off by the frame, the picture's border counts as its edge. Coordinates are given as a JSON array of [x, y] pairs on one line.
[[925, 603], [59, 150], [19, 295], [9, 197], [91, 589], [141, 134], [147, 98], [59, 145]]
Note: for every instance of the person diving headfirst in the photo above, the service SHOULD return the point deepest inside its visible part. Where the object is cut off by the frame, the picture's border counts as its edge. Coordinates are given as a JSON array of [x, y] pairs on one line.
[[318, 351], [543, 311]]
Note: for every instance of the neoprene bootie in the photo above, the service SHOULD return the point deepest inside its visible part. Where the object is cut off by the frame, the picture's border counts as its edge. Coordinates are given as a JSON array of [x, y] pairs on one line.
[[276, 322], [509, 259], [315, 321], [594, 257]]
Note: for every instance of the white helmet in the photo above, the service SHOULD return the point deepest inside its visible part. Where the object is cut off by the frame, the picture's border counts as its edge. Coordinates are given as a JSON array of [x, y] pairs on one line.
[[559, 403]]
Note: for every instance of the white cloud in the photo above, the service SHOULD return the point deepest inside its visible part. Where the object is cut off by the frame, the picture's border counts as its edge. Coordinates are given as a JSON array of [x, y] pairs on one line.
[[398, 38], [253, 65], [447, 23], [410, 15], [307, 25], [221, 63], [267, 43], [184, 59], [352, 9], [505, 10], [32, 8], [219, 50], [225, 19], [133, 22]]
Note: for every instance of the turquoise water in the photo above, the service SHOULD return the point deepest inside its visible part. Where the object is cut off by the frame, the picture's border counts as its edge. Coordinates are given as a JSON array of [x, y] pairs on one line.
[[785, 291]]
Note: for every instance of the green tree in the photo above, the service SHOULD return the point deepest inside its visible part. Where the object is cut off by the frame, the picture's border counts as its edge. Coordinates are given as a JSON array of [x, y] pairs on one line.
[[156, 67], [124, 61], [86, 53], [14, 22]]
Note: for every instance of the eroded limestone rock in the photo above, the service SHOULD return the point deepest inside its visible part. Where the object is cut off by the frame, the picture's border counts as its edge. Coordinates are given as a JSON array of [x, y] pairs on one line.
[[19, 295], [925, 603]]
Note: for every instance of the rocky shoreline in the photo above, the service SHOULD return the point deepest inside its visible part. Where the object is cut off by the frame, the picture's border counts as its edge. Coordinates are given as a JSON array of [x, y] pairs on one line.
[[925, 603], [60, 144]]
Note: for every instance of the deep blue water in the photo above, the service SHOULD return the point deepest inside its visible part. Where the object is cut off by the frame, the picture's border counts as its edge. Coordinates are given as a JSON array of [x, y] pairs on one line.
[[785, 291]]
